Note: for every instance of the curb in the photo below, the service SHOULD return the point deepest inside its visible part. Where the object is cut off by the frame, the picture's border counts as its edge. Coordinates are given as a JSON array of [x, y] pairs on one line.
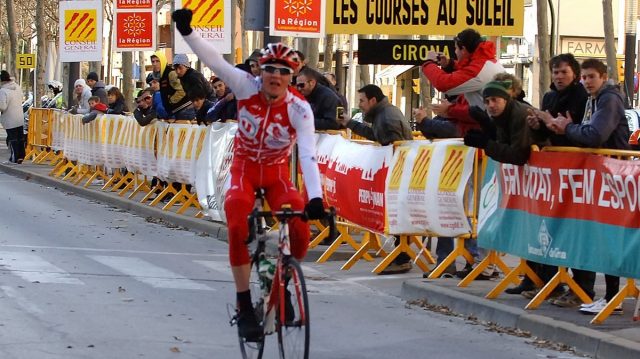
[[585, 340], [217, 230]]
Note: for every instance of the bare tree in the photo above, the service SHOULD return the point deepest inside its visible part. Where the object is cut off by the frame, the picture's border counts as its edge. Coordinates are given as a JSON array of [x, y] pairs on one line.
[[609, 40], [108, 15], [127, 77], [328, 53], [13, 41], [543, 48], [41, 61]]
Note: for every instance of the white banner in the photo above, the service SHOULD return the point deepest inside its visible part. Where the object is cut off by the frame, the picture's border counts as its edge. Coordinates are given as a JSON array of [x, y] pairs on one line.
[[211, 20], [80, 31], [213, 169], [425, 188], [178, 151]]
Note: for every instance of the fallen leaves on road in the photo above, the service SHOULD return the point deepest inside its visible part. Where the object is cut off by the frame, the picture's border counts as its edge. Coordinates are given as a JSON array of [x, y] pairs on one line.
[[175, 349]]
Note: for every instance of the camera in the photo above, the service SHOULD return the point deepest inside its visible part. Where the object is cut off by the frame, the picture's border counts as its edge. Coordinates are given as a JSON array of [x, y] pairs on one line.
[[339, 112]]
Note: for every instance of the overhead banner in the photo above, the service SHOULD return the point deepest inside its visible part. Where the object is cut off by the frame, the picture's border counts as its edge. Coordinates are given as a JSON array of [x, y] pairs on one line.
[[401, 52], [354, 182], [574, 210], [211, 20], [424, 17], [80, 31], [425, 188], [135, 22], [299, 18]]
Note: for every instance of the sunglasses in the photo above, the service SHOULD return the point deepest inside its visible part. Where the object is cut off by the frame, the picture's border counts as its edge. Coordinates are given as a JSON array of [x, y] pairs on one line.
[[281, 70], [301, 85], [143, 99]]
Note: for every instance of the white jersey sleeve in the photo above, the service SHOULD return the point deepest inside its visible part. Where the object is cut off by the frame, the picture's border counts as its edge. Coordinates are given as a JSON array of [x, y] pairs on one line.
[[243, 84], [301, 117]]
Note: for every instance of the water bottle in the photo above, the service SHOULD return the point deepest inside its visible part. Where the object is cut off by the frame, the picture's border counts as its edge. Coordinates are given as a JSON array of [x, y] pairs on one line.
[[266, 271]]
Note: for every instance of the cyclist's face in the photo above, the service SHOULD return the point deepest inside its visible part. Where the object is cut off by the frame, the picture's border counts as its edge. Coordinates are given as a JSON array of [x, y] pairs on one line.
[[274, 84]]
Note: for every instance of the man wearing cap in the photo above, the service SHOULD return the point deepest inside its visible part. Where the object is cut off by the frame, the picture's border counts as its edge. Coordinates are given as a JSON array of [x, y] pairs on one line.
[[11, 117], [507, 137], [97, 87], [144, 112], [192, 81], [174, 99], [252, 63]]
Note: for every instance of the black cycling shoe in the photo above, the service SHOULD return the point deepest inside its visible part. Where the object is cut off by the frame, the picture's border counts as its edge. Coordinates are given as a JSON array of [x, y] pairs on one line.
[[289, 312], [248, 326]]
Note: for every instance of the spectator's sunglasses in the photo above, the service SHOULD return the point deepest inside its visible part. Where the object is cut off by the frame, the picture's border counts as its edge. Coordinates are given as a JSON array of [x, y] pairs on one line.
[[281, 70], [144, 98]]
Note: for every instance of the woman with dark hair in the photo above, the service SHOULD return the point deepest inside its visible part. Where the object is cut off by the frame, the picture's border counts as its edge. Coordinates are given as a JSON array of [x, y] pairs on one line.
[[117, 105]]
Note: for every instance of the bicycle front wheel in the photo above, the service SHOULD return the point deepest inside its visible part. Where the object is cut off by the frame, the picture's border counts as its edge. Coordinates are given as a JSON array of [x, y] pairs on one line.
[[254, 349], [293, 313]]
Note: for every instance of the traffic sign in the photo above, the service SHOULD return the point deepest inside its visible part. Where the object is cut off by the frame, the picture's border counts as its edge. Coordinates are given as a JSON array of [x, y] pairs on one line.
[[26, 61]]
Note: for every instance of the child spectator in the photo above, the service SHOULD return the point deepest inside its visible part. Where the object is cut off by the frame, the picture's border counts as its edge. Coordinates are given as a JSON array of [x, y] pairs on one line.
[[117, 105], [96, 108]]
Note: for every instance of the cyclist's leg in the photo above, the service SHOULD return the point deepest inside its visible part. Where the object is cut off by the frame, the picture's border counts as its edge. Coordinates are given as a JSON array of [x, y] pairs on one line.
[[280, 192]]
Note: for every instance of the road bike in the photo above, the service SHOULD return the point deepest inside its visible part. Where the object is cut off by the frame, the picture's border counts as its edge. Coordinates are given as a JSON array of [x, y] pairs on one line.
[[278, 288]]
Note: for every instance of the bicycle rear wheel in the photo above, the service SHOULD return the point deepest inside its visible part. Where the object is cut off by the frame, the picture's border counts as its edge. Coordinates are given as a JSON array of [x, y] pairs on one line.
[[293, 317], [254, 350]]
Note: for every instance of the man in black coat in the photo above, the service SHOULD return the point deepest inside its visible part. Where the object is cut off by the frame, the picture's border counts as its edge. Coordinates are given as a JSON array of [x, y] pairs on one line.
[[322, 99]]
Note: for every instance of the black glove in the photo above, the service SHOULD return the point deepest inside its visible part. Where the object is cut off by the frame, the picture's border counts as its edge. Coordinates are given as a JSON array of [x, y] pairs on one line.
[[476, 138], [315, 209], [182, 18]]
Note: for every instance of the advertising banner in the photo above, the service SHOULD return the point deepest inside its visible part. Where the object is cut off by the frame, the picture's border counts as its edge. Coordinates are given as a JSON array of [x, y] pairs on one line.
[[574, 210], [425, 188], [401, 52], [135, 25], [213, 175], [211, 20], [80, 30], [355, 181], [424, 17], [299, 18]]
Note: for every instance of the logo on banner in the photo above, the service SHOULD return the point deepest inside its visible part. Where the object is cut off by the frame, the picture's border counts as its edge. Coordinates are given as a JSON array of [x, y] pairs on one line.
[[298, 15], [134, 29], [421, 168], [206, 13], [80, 26], [544, 248], [396, 173], [451, 173]]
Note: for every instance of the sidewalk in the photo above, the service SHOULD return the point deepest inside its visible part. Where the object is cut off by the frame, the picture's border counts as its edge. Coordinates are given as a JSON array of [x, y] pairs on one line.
[[618, 337]]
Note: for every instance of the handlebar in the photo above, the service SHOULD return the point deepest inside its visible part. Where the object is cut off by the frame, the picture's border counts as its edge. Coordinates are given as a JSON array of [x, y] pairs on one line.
[[288, 213]]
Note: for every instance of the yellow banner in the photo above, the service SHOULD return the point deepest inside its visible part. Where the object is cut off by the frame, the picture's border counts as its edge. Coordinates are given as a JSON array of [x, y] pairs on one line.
[[425, 17]]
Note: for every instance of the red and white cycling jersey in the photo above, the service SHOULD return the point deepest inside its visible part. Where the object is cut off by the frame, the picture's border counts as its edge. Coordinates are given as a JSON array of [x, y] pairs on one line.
[[266, 131]]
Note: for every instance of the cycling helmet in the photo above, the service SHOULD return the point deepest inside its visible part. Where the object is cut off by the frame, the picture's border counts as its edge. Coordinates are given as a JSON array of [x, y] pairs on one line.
[[53, 84], [279, 53]]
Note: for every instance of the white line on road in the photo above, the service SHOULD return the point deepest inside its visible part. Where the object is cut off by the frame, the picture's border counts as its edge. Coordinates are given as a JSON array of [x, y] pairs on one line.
[[20, 300], [220, 267], [112, 250], [35, 269], [148, 273]]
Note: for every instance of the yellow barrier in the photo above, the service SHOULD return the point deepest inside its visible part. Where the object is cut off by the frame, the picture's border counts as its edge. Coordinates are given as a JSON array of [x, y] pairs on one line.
[[39, 135]]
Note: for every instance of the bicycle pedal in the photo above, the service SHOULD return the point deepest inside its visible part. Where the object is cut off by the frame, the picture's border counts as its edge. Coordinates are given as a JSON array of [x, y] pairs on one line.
[[233, 321]]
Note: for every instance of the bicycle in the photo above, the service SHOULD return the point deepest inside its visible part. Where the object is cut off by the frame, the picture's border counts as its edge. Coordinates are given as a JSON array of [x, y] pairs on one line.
[[278, 288]]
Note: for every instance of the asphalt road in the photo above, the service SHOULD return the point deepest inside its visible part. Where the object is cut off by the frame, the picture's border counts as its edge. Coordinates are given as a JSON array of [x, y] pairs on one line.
[[79, 279]]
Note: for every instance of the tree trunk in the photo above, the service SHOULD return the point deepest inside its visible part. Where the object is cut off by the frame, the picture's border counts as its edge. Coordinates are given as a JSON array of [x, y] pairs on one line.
[[246, 47], [13, 40], [313, 55], [609, 41], [127, 77], [143, 71], [543, 49], [328, 53], [365, 75], [41, 60], [231, 58], [109, 53]]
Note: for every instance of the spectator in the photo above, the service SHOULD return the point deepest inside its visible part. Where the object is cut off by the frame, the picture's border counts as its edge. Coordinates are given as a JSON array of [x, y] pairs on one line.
[[144, 112], [331, 78], [154, 86], [252, 63], [96, 107], [462, 81], [117, 105], [323, 100], [202, 105], [11, 116], [225, 106], [566, 95], [83, 93], [97, 87], [190, 79], [384, 123], [57, 101], [604, 125], [174, 100]]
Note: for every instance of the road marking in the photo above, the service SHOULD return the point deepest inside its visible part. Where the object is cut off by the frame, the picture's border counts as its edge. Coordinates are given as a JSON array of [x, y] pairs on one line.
[[20, 300], [35, 269], [113, 250], [149, 273], [218, 266]]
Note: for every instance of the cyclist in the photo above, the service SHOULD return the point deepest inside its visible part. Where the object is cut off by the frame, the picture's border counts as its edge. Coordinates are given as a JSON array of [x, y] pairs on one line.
[[271, 116], [57, 101]]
